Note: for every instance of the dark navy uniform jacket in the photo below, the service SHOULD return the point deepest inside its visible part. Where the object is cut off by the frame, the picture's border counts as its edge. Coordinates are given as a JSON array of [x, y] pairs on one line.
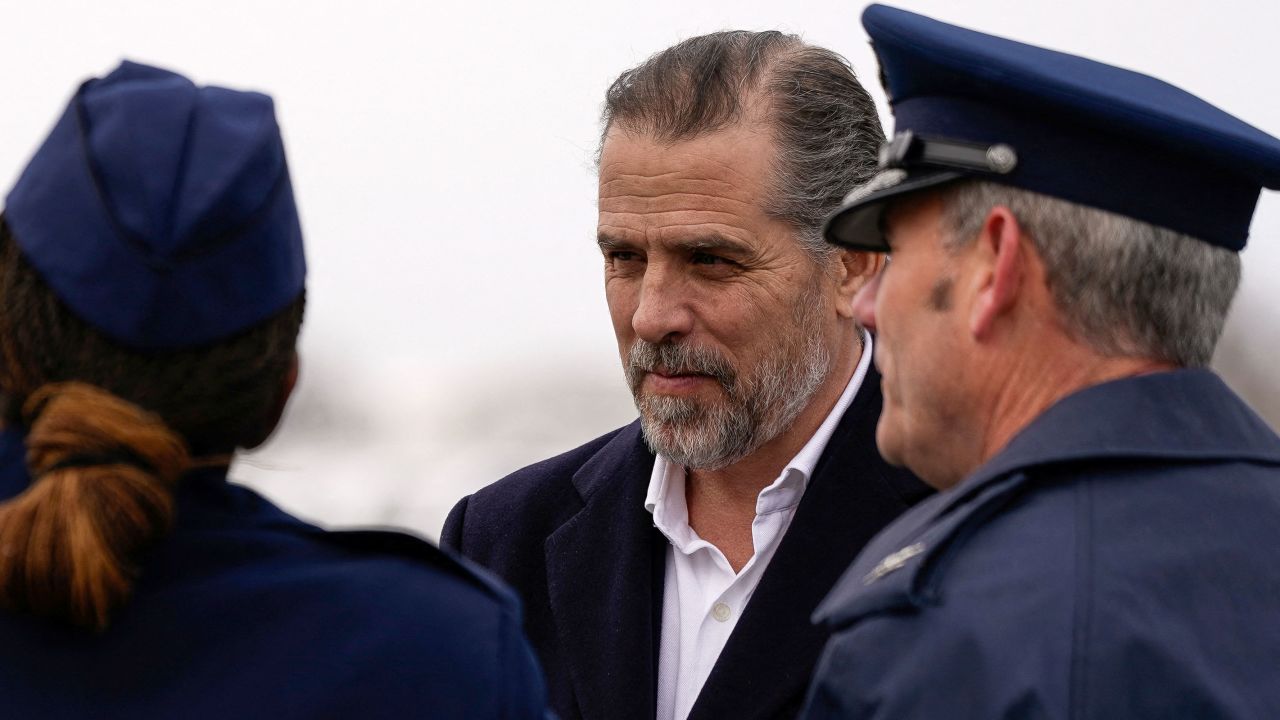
[[571, 534], [1119, 559], [245, 612]]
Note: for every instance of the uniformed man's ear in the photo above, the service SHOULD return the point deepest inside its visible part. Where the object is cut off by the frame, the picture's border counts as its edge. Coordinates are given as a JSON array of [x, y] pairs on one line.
[[1001, 253], [854, 270]]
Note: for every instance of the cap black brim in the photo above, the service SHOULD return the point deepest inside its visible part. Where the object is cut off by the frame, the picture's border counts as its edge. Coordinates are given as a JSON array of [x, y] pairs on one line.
[[856, 225]]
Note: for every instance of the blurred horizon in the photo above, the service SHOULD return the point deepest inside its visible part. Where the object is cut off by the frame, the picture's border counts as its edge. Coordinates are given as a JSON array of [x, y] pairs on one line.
[[442, 156]]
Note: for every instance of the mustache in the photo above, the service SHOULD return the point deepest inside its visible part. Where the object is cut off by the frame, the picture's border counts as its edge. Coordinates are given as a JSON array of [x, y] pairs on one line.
[[678, 359]]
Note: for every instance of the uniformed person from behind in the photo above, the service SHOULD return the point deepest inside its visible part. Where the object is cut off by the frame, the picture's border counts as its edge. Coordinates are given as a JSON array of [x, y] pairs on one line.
[[151, 292], [1063, 240]]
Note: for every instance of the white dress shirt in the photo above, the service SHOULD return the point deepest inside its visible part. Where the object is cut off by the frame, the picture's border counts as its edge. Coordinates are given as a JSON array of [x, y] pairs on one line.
[[702, 596]]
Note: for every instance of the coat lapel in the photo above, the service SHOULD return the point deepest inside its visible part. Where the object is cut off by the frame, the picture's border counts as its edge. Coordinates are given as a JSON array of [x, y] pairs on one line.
[[766, 664], [604, 577]]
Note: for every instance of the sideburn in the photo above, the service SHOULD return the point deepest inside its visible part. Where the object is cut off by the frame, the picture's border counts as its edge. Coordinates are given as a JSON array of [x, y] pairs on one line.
[[940, 295]]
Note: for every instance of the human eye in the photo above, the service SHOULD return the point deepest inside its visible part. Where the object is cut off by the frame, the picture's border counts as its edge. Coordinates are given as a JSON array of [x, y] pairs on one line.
[[621, 256], [623, 260], [714, 265], [706, 258]]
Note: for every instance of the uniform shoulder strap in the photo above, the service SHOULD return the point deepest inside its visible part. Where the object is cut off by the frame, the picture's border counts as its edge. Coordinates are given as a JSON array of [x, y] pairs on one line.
[[401, 544]]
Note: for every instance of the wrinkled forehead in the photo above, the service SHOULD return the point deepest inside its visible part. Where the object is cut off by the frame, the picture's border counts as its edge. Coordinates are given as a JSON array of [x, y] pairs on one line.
[[726, 171]]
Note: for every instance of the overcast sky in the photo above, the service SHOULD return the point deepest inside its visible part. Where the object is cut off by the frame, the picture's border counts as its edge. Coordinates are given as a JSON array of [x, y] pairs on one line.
[[442, 157]]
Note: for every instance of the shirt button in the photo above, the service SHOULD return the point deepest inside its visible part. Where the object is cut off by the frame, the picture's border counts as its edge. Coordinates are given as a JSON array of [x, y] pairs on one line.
[[721, 612]]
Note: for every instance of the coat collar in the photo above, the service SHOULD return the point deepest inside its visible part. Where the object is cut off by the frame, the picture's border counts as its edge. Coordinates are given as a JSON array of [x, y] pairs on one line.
[[1180, 415], [1177, 416], [1187, 414]]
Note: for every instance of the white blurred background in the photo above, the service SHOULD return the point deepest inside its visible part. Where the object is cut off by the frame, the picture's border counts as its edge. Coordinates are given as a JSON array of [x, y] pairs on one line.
[[442, 154]]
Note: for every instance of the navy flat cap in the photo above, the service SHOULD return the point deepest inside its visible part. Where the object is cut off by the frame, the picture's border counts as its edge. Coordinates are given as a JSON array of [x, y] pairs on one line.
[[160, 212], [969, 105]]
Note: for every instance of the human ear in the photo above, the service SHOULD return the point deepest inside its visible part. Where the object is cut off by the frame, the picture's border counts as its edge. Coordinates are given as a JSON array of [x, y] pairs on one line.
[[999, 253], [854, 270]]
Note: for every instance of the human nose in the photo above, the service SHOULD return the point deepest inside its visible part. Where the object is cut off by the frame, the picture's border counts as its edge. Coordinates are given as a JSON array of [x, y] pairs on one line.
[[864, 303], [662, 312]]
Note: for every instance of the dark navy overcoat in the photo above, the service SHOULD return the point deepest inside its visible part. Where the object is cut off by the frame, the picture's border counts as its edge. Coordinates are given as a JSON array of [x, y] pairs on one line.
[[571, 534], [1120, 558], [245, 612]]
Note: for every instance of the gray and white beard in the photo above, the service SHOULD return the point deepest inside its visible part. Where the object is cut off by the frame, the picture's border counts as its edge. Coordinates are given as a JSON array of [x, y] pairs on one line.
[[755, 408]]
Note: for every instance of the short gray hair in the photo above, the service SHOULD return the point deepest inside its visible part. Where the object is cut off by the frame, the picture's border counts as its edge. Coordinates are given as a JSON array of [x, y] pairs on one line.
[[825, 125], [1124, 287]]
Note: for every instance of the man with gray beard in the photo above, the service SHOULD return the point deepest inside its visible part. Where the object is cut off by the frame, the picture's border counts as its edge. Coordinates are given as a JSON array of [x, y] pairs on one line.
[[669, 568]]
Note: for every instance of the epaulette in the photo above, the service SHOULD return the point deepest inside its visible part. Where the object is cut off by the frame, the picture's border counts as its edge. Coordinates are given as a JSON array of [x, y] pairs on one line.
[[401, 544], [899, 570]]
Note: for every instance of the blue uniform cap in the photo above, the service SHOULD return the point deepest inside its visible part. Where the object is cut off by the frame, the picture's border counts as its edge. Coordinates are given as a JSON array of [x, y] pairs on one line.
[[161, 213], [970, 105]]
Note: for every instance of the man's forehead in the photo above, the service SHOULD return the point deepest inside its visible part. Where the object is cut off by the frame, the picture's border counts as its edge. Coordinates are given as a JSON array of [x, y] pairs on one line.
[[686, 184]]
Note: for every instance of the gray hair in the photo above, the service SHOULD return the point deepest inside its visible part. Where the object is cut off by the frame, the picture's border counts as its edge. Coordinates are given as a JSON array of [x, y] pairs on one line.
[[1124, 287], [825, 125], [759, 403]]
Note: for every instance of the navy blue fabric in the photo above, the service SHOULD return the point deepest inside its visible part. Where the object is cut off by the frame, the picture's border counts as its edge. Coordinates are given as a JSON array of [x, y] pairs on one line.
[[1083, 131], [1116, 560], [572, 536], [245, 612], [161, 212]]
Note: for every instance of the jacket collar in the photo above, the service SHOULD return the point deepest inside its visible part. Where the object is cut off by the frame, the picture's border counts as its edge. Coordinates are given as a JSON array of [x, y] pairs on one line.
[[1180, 415], [1177, 416]]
